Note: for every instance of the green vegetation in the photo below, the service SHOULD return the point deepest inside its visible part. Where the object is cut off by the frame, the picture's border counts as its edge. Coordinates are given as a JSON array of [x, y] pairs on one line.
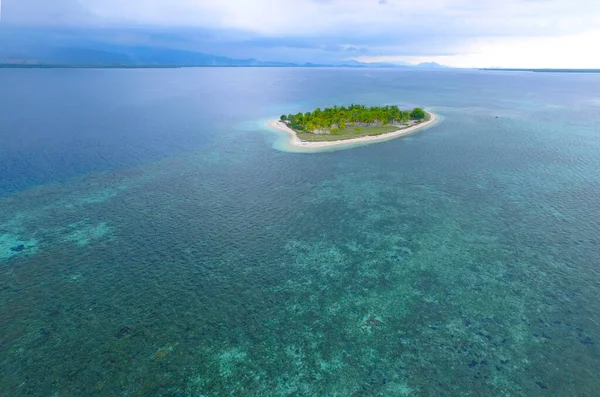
[[338, 123], [417, 114]]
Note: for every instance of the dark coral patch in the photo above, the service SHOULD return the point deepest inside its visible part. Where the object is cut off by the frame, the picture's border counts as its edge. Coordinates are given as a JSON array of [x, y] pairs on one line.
[[123, 332], [18, 248]]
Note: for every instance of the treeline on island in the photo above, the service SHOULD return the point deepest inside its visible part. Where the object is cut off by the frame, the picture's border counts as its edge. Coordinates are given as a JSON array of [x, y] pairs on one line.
[[331, 120]]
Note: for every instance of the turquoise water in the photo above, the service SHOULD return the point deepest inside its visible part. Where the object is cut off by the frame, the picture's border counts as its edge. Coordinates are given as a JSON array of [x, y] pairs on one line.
[[154, 243]]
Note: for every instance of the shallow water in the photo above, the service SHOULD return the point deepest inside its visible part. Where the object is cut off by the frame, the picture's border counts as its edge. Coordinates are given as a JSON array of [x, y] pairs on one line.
[[153, 242]]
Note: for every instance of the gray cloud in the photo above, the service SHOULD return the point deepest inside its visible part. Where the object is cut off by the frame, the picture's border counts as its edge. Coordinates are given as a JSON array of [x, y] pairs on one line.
[[53, 12], [475, 17], [309, 29]]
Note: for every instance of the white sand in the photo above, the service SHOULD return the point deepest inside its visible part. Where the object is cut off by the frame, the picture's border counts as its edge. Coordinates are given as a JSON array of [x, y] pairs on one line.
[[299, 144]]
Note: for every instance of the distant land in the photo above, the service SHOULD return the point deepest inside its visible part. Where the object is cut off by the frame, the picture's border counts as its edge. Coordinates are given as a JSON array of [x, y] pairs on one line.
[[167, 58], [24, 47], [152, 57], [545, 70], [175, 66]]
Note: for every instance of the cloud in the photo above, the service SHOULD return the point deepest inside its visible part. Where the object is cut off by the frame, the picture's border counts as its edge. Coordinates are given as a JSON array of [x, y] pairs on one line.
[[53, 12], [569, 52], [322, 29], [289, 17]]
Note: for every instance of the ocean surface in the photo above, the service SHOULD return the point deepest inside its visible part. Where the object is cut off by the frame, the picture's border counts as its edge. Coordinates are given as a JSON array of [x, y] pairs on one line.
[[154, 240]]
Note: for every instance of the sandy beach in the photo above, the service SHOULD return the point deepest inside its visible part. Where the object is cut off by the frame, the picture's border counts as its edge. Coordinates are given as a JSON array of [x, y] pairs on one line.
[[297, 143]]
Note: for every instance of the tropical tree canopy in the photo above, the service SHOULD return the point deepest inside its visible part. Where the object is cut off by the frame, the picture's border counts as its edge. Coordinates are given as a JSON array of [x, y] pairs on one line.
[[417, 113], [340, 117]]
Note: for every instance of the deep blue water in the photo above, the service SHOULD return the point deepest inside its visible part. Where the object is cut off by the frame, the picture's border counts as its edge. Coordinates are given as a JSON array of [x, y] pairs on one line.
[[153, 242]]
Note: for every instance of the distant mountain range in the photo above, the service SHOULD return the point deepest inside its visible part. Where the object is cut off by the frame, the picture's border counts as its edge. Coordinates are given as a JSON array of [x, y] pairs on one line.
[[138, 56]]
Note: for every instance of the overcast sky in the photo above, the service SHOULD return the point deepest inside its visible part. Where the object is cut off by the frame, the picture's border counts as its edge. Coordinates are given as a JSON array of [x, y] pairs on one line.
[[465, 33]]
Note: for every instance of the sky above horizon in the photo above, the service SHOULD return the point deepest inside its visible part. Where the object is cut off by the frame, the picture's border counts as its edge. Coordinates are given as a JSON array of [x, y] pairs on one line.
[[461, 33]]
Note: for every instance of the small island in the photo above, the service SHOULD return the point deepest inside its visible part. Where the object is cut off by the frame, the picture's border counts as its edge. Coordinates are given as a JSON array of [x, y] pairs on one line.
[[349, 125]]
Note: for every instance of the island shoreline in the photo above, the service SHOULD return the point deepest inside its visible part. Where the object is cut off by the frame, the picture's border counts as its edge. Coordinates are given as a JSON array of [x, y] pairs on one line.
[[297, 143]]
